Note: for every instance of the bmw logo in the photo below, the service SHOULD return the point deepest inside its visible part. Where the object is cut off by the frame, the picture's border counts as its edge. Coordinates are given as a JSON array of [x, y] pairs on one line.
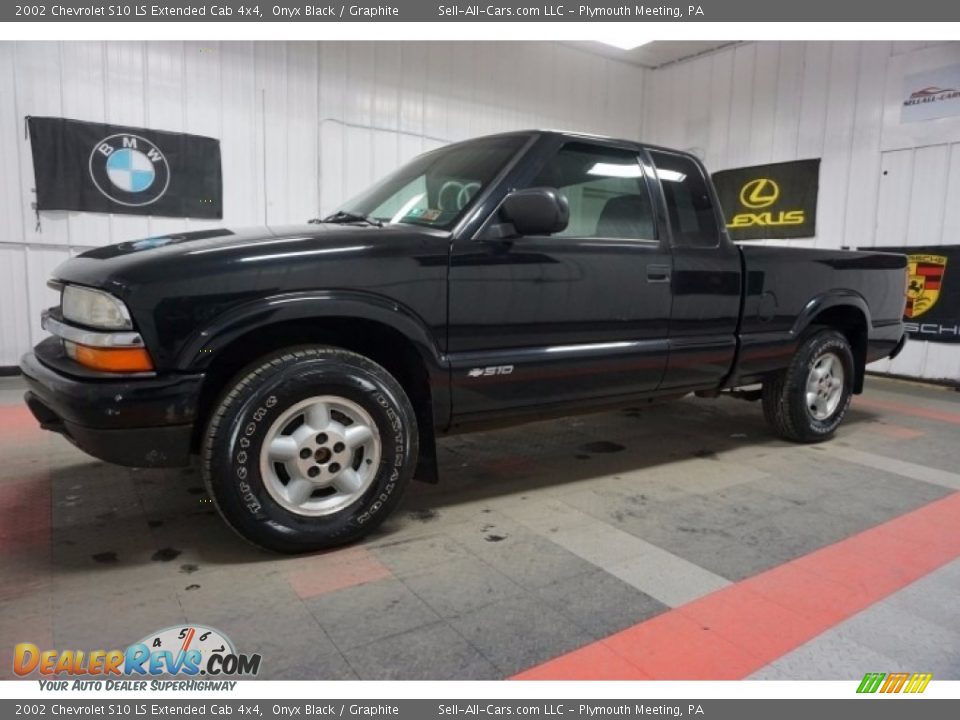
[[129, 169]]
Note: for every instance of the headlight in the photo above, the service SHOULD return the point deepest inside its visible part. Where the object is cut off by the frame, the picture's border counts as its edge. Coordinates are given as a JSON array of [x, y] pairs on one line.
[[94, 308]]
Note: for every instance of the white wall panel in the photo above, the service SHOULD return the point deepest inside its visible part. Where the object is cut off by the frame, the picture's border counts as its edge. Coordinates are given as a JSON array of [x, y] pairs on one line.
[[624, 95], [41, 262], [13, 208], [721, 86], [771, 102], [302, 126], [837, 141], [165, 86], [440, 93], [83, 95], [951, 214], [412, 85], [786, 117], [764, 101], [739, 128], [860, 223], [14, 307], [241, 135], [928, 194], [893, 212], [813, 99], [125, 104], [37, 91]]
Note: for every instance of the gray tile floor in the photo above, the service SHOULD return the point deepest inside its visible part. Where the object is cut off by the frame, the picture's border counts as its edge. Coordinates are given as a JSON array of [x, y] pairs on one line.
[[538, 540], [914, 630]]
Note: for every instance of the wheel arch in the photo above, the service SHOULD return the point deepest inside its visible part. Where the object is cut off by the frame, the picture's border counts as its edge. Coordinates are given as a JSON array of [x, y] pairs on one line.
[[377, 328], [846, 312]]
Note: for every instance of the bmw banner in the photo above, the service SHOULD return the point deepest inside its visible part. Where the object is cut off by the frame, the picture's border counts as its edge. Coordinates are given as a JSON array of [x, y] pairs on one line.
[[770, 201], [95, 167]]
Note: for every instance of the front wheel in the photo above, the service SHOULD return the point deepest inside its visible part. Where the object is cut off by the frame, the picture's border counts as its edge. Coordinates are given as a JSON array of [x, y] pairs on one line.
[[310, 448], [808, 401]]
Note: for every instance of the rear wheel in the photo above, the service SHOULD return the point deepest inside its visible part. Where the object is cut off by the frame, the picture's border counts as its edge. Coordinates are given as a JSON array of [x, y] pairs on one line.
[[808, 401], [310, 448]]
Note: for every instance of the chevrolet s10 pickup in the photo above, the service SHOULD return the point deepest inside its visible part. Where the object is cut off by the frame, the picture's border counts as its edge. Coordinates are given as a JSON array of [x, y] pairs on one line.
[[308, 370]]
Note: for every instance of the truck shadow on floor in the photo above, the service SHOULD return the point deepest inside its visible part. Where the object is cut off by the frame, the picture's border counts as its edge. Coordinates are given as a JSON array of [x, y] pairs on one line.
[[106, 517], [565, 452]]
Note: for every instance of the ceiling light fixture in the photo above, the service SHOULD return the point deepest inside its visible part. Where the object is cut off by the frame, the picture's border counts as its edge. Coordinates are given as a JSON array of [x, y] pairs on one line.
[[625, 43]]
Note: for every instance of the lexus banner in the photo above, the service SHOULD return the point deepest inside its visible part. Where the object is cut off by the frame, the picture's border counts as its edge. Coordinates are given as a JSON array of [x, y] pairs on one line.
[[933, 292], [95, 167], [770, 201]]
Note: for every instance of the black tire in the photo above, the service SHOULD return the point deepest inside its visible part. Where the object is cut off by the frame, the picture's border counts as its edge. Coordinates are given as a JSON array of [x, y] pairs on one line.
[[784, 394], [257, 398]]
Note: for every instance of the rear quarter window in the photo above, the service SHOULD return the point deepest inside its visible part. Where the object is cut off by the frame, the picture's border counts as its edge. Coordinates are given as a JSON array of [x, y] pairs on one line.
[[693, 220]]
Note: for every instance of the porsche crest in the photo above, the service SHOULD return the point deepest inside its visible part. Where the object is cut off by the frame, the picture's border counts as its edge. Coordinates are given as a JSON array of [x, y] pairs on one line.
[[926, 280]]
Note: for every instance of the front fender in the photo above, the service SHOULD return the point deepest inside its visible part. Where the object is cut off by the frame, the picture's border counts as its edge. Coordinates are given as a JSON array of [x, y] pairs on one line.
[[200, 349]]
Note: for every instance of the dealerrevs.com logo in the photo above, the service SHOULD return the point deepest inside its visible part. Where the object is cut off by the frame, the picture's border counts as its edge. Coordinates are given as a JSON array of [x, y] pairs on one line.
[[184, 652]]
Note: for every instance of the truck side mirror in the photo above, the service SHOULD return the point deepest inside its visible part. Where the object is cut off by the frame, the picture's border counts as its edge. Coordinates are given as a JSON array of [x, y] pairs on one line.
[[536, 211]]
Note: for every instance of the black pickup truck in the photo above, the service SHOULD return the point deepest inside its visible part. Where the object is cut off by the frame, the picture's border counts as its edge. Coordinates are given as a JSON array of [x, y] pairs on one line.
[[493, 281]]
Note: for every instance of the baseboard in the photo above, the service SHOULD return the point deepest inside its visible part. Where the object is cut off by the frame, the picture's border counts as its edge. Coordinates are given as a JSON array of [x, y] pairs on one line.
[[939, 382]]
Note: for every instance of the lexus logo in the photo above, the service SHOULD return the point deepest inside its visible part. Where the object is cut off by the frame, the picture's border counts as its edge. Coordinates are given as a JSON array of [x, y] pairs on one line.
[[759, 193]]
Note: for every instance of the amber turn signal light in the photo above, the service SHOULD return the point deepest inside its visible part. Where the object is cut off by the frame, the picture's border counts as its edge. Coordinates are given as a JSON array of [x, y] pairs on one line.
[[111, 359]]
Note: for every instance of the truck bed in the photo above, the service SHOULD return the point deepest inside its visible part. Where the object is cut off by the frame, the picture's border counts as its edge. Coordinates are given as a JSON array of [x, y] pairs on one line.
[[785, 287]]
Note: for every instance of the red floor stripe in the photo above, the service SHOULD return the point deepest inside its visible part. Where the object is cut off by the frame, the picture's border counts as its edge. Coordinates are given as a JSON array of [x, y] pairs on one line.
[[17, 424], [336, 570], [915, 411], [24, 514], [25, 535], [733, 632], [895, 432]]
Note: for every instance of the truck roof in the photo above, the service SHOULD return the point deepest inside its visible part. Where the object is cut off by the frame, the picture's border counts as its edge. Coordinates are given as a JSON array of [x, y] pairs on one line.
[[576, 135]]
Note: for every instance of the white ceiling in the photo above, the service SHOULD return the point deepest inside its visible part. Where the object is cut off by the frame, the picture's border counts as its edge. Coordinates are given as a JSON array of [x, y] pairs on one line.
[[655, 54]]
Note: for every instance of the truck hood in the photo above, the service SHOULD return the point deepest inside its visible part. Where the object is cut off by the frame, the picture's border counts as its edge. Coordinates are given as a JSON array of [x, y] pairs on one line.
[[213, 252]]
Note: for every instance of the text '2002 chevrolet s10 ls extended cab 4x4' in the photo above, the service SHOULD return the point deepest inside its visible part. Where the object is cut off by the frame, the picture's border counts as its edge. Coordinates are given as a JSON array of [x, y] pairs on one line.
[[492, 281]]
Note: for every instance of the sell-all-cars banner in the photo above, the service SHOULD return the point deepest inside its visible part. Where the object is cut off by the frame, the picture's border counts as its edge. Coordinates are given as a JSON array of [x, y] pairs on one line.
[[933, 291], [931, 94], [770, 201], [96, 167]]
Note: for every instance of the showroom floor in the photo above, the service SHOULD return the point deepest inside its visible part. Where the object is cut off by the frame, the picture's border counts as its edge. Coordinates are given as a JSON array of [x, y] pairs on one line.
[[677, 541]]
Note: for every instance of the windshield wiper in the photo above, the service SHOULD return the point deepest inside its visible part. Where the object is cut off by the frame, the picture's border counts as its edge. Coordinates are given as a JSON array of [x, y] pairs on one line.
[[342, 216]]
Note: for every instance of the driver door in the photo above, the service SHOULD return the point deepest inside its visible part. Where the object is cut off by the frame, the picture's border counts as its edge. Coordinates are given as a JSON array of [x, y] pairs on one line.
[[576, 317]]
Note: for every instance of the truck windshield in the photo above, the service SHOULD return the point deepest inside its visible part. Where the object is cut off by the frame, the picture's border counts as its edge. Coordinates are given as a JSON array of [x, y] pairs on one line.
[[434, 189]]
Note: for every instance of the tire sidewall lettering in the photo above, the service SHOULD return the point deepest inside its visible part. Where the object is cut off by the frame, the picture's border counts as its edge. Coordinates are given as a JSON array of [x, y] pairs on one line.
[[842, 351], [231, 453], [255, 420], [242, 458]]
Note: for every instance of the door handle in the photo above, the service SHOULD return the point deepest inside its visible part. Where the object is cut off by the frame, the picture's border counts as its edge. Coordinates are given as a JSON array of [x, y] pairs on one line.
[[658, 273]]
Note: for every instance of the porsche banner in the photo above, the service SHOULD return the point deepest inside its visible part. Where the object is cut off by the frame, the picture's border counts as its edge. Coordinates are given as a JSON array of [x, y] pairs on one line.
[[933, 292], [770, 201], [95, 167]]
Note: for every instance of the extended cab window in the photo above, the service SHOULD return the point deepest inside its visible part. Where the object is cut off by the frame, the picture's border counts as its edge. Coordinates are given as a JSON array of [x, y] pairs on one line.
[[606, 189], [691, 213]]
